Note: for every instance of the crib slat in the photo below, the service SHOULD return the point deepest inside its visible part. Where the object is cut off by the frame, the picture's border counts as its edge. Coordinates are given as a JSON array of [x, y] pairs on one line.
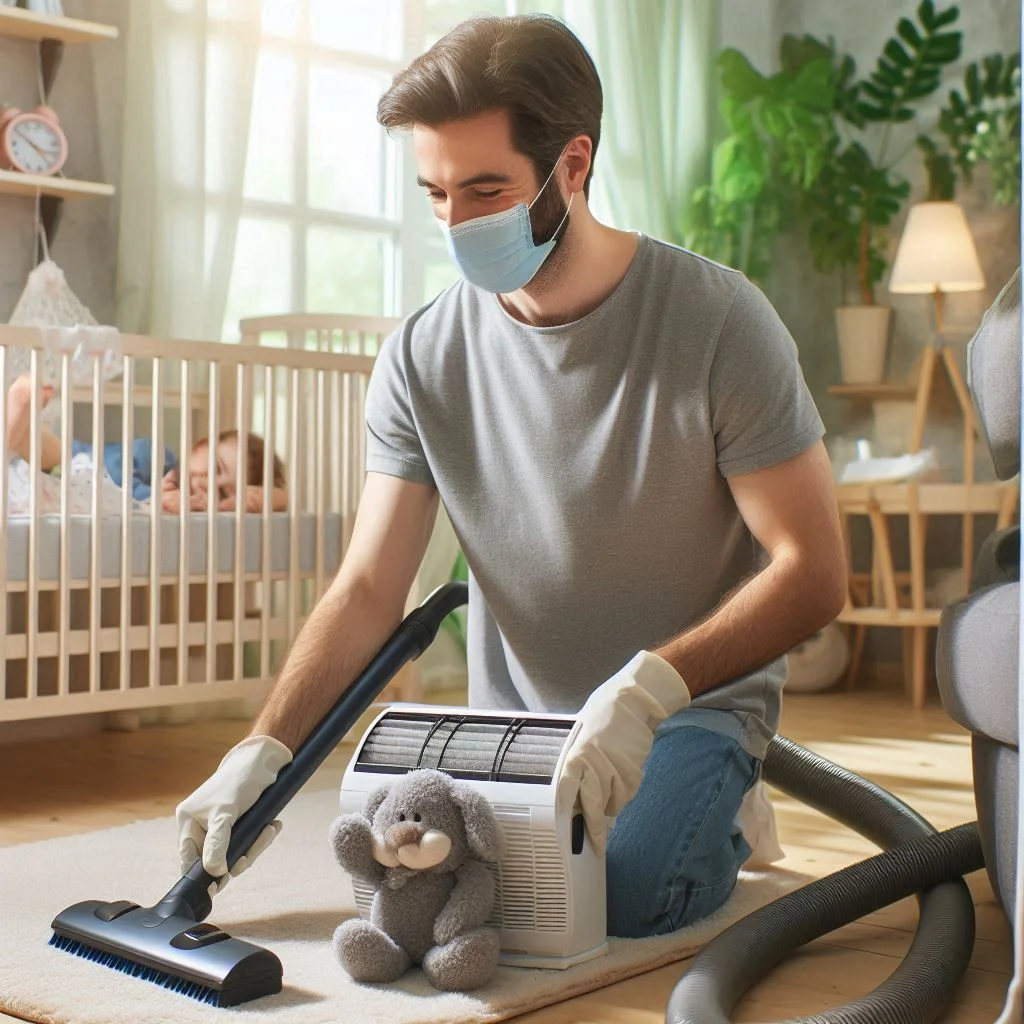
[[67, 422], [294, 482], [155, 546], [335, 428], [359, 436], [184, 509], [269, 448], [127, 521], [211, 588], [242, 481], [320, 484], [32, 610], [4, 526], [96, 536], [348, 495]]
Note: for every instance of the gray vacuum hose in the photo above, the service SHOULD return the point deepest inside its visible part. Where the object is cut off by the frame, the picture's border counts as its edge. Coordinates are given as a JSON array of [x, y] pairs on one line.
[[917, 859]]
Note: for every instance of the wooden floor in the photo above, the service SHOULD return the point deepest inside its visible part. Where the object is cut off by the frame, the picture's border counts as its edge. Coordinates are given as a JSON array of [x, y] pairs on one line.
[[55, 788]]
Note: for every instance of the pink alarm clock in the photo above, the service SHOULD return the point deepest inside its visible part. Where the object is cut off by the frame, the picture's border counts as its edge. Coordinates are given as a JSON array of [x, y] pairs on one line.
[[31, 141]]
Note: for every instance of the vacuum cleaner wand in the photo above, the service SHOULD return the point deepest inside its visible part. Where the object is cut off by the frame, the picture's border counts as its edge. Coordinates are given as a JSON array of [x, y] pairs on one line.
[[166, 943]]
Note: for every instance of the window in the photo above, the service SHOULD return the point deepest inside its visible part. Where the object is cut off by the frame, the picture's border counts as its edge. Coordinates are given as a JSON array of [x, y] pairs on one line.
[[331, 219]]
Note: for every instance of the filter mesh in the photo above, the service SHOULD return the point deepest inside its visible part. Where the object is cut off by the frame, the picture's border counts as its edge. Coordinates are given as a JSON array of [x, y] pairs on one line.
[[499, 750]]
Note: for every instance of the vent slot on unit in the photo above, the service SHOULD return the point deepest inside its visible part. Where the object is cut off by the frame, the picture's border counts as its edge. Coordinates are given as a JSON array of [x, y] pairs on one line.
[[466, 746], [531, 888]]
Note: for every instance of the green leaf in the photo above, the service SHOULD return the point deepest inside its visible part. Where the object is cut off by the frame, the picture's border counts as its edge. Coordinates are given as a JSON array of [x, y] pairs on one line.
[[871, 113], [926, 15], [973, 85], [897, 54], [775, 122], [945, 49], [813, 86], [993, 65], [739, 77], [947, 17], [919, 91], [909, 33], [886, 74], [795, 53]]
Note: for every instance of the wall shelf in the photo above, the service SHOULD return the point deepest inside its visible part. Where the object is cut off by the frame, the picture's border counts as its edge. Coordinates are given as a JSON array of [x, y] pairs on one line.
[[20, 24], [17, 184]]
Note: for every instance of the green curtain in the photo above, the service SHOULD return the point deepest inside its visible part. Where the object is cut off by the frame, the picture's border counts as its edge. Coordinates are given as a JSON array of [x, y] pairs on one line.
[[656, 61]]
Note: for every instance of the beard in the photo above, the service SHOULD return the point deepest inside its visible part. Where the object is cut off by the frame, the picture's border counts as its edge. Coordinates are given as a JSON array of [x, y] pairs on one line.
[[548, 212]]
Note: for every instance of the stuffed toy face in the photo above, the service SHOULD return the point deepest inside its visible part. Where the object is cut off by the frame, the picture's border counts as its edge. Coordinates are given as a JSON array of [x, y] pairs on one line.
[[429, 821]]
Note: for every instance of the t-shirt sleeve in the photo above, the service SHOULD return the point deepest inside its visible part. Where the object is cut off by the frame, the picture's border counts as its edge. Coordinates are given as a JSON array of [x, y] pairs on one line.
[[393, 443], [762, 412]]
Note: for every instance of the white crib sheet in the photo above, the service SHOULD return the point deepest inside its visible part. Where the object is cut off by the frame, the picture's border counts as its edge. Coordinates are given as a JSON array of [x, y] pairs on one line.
[[80, 533]]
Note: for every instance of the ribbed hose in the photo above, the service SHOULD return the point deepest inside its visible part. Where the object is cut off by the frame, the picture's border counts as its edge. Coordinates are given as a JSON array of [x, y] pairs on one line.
[[918, 858]]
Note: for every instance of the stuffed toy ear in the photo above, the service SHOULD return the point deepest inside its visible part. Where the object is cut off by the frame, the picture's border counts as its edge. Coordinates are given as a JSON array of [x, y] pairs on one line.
[[482, 829], [375, 799]]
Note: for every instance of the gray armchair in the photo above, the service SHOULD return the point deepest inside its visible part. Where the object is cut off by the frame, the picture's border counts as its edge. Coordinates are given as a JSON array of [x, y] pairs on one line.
[[977, 661]]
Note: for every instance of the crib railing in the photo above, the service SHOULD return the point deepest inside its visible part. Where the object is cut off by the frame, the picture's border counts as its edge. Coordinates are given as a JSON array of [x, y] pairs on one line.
[[320, 332], [161, 608]]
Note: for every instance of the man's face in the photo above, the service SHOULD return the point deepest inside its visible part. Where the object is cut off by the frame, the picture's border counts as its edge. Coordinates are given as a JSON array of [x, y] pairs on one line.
[[470, 168]]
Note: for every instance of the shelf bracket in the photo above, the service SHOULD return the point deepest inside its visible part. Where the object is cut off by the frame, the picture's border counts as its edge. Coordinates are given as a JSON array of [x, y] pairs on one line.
[[51, 208], [51, 53]]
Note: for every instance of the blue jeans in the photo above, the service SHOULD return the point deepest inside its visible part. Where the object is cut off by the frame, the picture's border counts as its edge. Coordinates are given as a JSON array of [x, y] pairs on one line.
[[675, 850]]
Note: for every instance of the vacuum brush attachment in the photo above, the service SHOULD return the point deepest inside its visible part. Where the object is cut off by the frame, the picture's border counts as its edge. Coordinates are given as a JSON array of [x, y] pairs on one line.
[[166, 943], [197, 960]]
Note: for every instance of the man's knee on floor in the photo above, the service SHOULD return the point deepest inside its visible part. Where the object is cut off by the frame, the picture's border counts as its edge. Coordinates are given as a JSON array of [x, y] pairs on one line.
[[646, 898]]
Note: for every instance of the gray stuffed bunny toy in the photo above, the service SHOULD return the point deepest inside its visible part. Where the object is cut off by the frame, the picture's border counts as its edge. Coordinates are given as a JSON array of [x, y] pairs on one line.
[[421, 844]]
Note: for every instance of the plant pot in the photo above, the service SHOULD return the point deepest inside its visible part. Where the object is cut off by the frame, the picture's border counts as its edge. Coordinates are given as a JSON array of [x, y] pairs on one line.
[[863, 333]]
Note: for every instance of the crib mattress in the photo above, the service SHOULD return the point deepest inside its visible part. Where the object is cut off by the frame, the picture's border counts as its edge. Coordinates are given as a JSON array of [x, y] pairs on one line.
[[80, 533]]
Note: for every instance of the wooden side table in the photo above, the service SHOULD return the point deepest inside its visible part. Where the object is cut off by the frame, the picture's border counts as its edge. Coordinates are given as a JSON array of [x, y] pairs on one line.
[[894, 596]]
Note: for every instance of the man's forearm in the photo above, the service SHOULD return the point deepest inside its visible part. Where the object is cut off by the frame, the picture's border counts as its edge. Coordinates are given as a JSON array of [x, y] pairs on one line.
[[343, 633], [769, 615]]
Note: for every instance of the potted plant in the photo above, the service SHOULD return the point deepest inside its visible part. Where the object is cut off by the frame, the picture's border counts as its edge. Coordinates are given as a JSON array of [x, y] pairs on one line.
[[778, 137], [859, 192]]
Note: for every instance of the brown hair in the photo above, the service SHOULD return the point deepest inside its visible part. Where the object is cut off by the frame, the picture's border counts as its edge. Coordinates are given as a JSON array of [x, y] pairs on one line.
[[530, 65], [255, 452]]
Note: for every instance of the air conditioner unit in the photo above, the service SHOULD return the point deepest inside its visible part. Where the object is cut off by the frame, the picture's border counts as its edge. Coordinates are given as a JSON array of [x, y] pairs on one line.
[[550, 899]]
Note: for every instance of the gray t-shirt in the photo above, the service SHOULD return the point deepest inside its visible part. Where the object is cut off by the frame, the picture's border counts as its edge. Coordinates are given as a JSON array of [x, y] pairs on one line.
[[584, 468]]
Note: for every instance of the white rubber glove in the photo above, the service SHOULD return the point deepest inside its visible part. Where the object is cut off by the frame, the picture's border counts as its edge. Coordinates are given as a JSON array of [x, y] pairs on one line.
[[606, 759], [205, 818]]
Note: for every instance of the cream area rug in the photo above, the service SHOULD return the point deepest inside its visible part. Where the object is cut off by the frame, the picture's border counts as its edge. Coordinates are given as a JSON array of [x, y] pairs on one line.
[[290, 901]]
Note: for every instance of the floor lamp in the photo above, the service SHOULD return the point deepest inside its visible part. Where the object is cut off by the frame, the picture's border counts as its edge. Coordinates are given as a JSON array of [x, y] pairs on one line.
[[936, 255]]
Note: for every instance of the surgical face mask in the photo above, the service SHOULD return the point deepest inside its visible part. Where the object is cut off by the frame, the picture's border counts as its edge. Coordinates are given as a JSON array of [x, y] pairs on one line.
[[496, 252]]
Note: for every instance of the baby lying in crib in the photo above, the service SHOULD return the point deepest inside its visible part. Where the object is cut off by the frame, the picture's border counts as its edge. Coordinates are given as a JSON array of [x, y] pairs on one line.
[[141, 470], [226, 483]]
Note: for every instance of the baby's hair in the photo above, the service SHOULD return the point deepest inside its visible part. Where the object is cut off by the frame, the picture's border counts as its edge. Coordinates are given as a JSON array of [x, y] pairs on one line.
[[254, 462]]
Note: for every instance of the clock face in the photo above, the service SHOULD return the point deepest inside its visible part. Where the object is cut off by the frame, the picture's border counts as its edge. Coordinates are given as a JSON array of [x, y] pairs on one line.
[[35, 146]]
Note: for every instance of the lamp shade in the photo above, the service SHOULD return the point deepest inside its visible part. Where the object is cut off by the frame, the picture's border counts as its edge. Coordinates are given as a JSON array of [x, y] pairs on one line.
[[936, 252]]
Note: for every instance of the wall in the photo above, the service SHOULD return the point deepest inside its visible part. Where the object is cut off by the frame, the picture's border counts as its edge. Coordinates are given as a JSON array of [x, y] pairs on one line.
[[89, 97], [807, 300]]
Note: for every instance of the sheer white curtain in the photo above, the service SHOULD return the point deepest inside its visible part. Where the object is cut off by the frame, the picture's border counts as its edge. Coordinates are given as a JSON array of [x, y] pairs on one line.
[[190, 74], [656, 62]]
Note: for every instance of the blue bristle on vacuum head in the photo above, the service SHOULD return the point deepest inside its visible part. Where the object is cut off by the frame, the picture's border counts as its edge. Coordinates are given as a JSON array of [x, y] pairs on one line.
[[202, 993]]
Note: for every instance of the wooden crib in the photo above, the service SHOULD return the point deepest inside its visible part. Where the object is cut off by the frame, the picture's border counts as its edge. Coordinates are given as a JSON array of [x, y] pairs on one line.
[[142, 608]]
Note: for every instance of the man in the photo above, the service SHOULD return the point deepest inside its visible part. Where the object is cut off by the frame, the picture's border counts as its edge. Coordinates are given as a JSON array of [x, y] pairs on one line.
[[624, 443]]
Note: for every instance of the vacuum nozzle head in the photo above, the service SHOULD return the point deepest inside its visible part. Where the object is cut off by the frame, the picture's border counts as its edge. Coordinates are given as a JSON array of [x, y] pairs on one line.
[[193, 959]]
